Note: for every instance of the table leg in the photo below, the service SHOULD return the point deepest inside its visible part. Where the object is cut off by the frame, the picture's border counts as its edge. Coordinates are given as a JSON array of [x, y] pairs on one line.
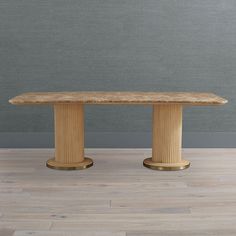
[[69, 138], [166, 139]]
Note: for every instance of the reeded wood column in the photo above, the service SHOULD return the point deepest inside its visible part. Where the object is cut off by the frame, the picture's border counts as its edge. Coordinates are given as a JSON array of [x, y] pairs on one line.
[[166, 138], [69, 138]]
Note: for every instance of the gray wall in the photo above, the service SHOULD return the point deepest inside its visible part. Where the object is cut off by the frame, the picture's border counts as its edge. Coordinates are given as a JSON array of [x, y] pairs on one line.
[[147, 45]]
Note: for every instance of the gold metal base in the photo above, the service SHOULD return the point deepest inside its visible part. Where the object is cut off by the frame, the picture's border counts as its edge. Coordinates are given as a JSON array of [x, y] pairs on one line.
[[88, 162], [166, 166]]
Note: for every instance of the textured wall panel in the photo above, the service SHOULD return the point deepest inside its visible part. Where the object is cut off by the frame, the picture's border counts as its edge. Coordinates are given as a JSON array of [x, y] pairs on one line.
[[151, 45]]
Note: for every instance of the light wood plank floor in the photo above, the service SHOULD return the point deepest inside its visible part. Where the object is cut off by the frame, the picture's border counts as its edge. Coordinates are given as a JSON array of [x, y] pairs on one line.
[[117, 196]]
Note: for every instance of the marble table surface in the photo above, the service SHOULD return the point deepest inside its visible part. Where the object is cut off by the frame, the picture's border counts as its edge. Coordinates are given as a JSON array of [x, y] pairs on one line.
[[99, 97]]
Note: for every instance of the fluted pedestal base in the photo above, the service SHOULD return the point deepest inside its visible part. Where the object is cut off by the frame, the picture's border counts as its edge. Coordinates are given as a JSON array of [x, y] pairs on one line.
[[69, 138], [166, 139]]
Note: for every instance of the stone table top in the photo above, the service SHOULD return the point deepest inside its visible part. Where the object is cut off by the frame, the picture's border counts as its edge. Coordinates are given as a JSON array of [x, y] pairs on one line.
[[85, 97]]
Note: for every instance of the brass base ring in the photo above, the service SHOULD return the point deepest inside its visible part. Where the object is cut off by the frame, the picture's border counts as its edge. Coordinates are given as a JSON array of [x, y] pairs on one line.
[[166, 166], [87, 162]]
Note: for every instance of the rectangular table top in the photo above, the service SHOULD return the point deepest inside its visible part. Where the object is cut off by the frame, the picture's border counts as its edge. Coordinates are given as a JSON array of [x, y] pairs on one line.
[[184, 98]]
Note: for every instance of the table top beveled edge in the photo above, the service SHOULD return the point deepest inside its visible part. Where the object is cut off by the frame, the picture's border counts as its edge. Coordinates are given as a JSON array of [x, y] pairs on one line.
[[118, 98]]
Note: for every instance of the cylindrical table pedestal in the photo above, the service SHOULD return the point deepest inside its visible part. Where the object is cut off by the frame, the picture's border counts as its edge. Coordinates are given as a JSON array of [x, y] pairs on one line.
[[69, 138], [166, 139]]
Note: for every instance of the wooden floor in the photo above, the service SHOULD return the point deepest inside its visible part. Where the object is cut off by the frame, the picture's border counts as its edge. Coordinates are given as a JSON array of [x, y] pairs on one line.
[[118, 196]]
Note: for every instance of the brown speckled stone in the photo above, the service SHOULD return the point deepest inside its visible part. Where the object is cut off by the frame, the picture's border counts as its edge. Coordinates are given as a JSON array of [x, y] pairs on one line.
[[184, 98]]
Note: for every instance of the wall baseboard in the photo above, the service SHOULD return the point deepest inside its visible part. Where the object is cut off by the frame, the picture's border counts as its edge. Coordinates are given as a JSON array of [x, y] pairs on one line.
[[118, 140]]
